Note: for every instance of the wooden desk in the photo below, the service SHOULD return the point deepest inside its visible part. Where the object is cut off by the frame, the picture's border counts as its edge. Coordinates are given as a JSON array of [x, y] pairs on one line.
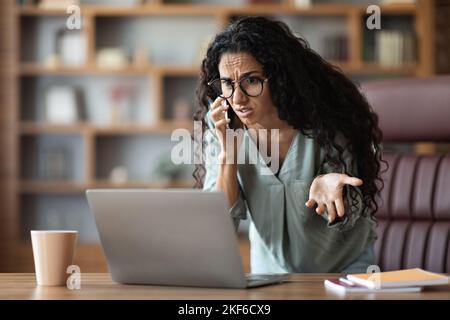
[[99, 286]]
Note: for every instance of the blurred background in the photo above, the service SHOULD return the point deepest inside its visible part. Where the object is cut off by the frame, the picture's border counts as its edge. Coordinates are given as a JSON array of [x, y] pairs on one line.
[[91, 91]]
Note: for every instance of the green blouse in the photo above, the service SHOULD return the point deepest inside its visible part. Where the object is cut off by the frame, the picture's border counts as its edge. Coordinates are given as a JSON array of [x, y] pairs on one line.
[[285, 235]]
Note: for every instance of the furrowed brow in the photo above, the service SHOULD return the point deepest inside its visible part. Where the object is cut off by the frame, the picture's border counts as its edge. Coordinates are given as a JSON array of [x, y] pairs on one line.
[[242, 76]]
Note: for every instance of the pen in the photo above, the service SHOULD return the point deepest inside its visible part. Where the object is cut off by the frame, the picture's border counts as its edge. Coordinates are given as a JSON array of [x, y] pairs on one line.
[[343, 280]]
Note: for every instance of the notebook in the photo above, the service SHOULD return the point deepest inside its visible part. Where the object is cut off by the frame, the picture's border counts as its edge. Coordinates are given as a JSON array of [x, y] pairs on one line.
[[342, 285], [401, 278]]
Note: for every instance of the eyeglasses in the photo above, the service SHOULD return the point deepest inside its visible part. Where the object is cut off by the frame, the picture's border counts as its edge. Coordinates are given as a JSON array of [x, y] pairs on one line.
[[251, 86]]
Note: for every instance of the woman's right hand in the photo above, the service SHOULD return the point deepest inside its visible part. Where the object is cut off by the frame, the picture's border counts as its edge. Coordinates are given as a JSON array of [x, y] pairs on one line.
[[228, 151]]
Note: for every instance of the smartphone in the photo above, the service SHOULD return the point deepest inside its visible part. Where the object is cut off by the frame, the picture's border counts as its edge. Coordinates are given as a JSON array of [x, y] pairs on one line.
[[226, 113], [229, 114]]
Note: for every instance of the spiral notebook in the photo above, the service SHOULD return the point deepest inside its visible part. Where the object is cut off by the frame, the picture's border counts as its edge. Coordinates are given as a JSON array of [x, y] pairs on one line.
[[400, 279]]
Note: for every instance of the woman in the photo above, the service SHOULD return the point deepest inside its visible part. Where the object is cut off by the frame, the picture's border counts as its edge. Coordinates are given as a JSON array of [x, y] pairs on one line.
[[315, 212]]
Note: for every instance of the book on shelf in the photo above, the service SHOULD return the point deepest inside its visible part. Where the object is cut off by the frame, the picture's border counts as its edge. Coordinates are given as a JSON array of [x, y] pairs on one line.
[[63, 4], [342, 285], [57, 4], [399, 279], [398, 1], [336, 48], [392, 48], [302, 3]]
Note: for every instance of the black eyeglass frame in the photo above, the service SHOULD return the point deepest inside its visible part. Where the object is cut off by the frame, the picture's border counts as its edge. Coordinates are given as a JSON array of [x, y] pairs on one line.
[[233, 82]]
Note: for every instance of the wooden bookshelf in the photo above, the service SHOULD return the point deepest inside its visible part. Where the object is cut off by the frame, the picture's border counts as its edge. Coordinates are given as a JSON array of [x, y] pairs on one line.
[[16, 186], [354, 14]]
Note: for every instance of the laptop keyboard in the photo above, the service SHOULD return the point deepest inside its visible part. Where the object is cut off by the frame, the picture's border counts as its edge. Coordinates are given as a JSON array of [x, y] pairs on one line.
[[257, 277], [263, 277]]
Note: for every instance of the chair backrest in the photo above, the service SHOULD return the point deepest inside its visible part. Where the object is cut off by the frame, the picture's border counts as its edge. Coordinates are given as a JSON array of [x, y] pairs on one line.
[[414, 214]]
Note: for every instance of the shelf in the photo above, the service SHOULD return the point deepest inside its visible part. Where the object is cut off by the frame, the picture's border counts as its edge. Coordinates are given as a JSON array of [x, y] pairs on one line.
[[317, 9], [142, 185], [344, 66], [172, 125], [34, 69], [44, 187], [137, 10], [221, 10], [30, 128], [51, 187], [157, 9], [136, 129], [376, 69], [29, 10], [178, 70], [395, 9]]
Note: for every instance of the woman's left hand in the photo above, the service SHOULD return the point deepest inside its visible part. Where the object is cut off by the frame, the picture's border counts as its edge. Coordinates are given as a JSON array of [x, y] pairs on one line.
[[326, 192]]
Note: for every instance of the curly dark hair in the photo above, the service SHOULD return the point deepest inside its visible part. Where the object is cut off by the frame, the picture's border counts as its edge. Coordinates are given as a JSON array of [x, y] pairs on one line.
[[309, 93]]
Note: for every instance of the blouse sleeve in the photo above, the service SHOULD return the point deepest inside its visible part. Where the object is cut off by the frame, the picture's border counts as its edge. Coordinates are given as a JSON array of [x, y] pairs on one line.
[[239, 209]]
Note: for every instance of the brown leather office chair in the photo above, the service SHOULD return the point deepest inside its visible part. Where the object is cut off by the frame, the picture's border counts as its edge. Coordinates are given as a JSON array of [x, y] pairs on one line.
[[414, 217]]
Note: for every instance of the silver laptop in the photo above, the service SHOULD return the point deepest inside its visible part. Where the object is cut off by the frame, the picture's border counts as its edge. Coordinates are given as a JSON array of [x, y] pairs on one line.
[[179, 237]]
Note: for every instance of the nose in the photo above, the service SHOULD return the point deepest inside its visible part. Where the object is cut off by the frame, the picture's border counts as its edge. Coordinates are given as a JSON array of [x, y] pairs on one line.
[[239, 97]]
